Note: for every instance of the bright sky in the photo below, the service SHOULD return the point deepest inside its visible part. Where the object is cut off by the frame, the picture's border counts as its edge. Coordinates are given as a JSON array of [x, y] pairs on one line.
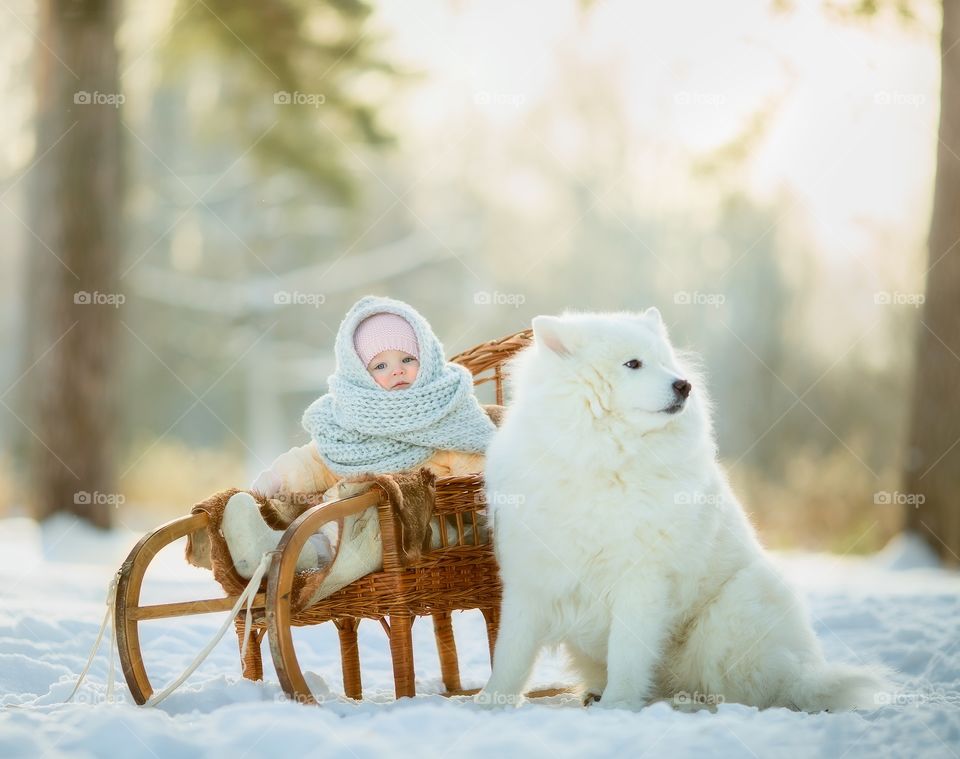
[[854, 105]]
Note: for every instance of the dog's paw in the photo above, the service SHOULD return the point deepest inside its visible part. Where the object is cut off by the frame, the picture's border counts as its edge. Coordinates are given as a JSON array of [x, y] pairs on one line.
[[494, 700], [590, 698]]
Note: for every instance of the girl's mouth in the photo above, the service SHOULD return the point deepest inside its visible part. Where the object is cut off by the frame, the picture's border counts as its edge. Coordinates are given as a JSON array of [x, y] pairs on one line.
[[400, 385]]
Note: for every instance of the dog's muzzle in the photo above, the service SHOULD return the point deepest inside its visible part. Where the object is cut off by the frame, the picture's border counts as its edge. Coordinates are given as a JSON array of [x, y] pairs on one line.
[[675, 407], [681, 391]]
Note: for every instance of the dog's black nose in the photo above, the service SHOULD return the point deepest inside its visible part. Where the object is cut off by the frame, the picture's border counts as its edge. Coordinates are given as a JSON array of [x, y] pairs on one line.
[[681, 388]]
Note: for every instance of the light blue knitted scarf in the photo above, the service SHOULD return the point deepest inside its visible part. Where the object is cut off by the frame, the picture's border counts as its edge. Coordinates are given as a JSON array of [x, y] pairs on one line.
[[360, 427]]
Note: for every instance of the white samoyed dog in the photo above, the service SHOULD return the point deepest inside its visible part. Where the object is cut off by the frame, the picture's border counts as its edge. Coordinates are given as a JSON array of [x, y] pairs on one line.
[[619, 538]]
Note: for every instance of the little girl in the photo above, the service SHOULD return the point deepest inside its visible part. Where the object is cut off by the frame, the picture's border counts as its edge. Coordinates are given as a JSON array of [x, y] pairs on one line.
[[394, 403]]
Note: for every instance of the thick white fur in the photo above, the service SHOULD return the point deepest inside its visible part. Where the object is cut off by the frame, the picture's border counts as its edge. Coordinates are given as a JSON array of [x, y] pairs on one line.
[[618, 537]]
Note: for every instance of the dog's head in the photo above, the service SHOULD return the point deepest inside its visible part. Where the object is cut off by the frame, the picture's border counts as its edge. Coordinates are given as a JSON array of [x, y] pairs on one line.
[[619, 364]]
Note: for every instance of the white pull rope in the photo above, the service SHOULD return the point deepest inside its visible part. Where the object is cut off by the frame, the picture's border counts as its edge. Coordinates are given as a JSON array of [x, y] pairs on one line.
[[111, 597], [247, 596]]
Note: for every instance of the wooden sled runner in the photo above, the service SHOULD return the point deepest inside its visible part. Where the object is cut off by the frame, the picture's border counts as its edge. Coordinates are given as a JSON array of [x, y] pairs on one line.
[[459, 575]]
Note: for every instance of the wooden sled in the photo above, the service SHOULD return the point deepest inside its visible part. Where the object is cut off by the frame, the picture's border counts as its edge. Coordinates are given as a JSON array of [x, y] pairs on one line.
[[459, 575]]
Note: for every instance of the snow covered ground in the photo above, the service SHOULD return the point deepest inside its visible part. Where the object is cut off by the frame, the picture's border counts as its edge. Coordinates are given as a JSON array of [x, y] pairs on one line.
[[892, 608]]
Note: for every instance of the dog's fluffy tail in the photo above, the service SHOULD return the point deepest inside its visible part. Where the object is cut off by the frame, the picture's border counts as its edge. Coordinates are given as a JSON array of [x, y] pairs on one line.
[[841, 687]]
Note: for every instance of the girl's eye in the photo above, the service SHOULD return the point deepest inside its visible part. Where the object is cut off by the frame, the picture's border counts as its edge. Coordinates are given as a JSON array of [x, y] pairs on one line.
[[379, 366], [408, 359], [633, 363]]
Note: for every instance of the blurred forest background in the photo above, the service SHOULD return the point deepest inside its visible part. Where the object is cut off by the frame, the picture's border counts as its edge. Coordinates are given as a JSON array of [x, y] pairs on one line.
[[193, 192]]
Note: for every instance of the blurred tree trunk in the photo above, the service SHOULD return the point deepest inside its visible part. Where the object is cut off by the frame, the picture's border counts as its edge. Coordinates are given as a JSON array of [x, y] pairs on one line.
[[933, 456], [74, 215]]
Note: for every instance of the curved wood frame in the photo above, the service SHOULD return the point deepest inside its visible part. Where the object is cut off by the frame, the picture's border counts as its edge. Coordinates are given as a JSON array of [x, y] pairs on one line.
[[280, 582], [127, 612]]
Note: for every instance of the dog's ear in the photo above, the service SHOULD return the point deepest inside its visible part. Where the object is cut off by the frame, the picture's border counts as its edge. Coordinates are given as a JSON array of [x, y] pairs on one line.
[[549, 331], [653, 317]]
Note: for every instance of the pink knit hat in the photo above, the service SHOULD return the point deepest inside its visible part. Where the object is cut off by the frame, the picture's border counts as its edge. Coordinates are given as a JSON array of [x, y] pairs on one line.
[[383, 332]]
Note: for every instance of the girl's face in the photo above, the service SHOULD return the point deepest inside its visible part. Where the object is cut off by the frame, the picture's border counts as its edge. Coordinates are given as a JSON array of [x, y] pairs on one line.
[[393, 369]]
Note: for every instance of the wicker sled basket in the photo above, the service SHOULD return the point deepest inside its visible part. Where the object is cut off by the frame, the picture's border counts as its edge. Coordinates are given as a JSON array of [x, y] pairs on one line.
[[461, 574]]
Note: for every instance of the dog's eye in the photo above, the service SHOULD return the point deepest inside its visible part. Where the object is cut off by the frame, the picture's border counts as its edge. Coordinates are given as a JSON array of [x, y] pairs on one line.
[[633, 363]]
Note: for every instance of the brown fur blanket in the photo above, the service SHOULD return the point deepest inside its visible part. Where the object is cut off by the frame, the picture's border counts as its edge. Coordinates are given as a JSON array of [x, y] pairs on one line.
[[410, 496]]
